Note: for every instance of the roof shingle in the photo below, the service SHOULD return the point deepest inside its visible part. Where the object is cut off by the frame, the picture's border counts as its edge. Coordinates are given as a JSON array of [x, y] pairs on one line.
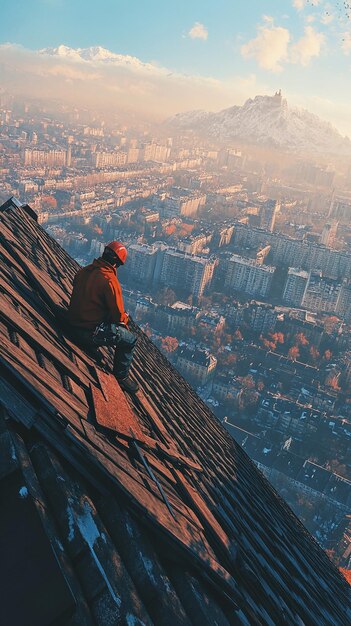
[[234, 553]]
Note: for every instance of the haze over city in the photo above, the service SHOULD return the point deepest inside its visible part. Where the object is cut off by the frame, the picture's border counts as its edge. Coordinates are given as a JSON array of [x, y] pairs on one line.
[[175, 313], [175, 58]]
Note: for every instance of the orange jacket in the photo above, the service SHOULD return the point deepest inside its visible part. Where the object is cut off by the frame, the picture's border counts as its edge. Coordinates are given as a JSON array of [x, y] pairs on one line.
[[96, 296]]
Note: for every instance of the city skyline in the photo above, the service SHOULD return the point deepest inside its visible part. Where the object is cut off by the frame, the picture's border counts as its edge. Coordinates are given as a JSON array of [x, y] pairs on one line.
[[179, 58]]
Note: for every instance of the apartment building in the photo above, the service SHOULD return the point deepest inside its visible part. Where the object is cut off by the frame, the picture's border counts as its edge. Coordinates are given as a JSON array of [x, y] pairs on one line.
[[295, 286], [321, 293], [193, 274], [197, 365], [249, 276]]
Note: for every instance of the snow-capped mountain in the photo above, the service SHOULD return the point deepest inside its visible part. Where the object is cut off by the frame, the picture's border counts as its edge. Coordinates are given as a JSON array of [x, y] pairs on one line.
[[267, 120], [97, 54]]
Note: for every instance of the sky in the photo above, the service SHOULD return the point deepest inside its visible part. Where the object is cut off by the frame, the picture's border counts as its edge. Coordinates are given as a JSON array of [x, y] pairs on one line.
[[196, 54]]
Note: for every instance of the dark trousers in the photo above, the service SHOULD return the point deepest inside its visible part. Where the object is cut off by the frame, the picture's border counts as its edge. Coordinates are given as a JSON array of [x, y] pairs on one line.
[[112, 335]]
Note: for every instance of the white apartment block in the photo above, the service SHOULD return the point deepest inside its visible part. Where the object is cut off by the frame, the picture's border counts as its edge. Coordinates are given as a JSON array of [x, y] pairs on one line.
[[189, 273], [343, 305], [109, 159], [321, 294], [36, 157], [295, 286], [249, 276], [296, 252], [141, 262], [186, 205]]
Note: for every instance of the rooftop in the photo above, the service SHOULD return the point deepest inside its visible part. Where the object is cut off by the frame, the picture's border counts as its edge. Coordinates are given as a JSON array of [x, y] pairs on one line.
[[202, 538]]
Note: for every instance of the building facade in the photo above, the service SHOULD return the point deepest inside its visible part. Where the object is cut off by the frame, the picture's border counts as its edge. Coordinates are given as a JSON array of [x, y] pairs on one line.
[[249, 276]]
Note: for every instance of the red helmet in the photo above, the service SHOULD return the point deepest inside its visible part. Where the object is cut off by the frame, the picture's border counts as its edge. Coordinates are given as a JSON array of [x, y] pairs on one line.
[[119, 249]]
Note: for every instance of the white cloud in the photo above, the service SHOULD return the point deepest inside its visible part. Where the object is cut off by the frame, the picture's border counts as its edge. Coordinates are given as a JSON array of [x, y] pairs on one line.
[[269, 48], [299, 4], [308, 47], [198, 31], [72, 73], [121, 83]]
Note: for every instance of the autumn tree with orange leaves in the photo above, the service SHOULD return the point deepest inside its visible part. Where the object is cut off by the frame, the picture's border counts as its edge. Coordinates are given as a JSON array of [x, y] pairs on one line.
[[169, 344], [278, 337], [301, 339], [314, 354], [294, 353], [269, 345]]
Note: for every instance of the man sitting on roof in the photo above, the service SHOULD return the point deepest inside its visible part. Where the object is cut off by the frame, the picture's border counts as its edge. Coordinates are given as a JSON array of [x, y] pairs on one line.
[[96, 310]]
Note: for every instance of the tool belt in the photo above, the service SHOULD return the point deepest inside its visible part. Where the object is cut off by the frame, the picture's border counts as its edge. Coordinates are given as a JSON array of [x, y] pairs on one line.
[[105, 334]]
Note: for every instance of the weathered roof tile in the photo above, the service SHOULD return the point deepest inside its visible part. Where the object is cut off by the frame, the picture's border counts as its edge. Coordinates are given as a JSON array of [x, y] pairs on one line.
[[233, 553]]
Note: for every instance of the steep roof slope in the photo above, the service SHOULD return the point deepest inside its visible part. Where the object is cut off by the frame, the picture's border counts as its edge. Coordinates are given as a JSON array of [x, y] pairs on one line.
[[139, 511]]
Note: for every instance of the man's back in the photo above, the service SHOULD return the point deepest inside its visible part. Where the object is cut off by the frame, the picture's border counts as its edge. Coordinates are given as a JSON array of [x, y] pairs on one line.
[[96, 296]]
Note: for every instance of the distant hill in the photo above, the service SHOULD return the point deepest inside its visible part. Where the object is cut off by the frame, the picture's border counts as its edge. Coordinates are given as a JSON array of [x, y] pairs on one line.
[[267, 120]]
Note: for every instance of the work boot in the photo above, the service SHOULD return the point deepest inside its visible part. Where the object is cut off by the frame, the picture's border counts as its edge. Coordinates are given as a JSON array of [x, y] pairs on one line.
[[127, 384]]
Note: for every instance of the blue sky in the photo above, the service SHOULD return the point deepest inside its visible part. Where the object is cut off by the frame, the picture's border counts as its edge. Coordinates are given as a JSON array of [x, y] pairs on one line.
[[301, 46]]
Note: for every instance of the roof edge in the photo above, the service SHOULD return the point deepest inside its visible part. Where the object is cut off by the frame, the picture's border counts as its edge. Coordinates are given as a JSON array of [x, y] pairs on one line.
[[13, 203]]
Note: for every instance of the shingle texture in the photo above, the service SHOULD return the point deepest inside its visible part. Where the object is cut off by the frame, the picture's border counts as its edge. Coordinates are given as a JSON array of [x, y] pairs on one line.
[[144, 510]]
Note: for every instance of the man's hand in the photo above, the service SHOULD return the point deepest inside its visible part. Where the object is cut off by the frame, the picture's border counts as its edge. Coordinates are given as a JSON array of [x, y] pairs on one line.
[[124, 319]]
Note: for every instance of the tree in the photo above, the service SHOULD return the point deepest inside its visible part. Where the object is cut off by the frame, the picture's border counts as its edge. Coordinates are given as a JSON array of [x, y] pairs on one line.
[[277, 337], [314, 354], [248, 399], [332, 380], [48, 202], [247, 382], [169, 344], [294, 353], [269, 345], [301, 339], [227, 359], [330, 323]]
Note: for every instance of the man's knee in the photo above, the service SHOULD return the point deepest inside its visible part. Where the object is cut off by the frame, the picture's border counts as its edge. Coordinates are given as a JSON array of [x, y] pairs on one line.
[[126, 337]]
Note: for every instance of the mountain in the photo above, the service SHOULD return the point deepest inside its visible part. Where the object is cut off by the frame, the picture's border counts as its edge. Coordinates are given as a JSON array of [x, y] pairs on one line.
[[267, 120], [97, 54]]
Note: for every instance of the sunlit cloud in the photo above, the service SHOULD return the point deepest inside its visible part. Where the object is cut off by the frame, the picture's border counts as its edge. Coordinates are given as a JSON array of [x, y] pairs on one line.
[[269, 48], [198, 31], [308, 47], [299, 4], [273, 47], [118, 82]]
